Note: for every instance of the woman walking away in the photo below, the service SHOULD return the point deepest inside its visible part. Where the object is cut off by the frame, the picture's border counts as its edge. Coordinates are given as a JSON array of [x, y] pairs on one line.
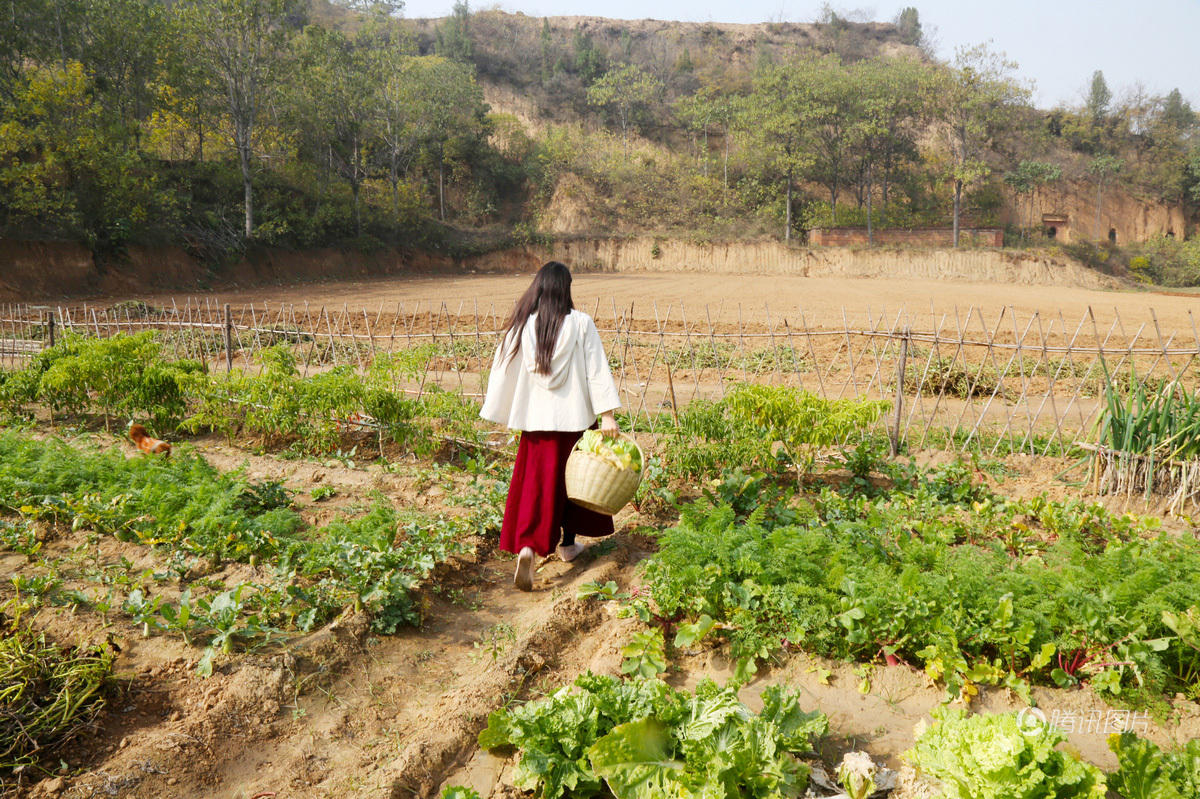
[[550, 380]]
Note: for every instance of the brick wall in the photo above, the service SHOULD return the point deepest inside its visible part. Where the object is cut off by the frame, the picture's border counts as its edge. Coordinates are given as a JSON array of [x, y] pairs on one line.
[[924, 237]]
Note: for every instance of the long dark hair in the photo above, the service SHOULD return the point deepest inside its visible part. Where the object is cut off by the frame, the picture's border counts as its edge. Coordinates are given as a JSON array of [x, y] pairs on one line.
[[549, 296]]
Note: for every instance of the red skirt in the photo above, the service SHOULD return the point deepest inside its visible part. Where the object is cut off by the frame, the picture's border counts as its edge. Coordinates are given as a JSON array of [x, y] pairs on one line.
[[537, 509]]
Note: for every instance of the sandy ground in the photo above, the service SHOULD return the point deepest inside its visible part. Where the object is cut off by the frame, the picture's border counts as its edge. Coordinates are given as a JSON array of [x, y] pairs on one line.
[[824, 302]]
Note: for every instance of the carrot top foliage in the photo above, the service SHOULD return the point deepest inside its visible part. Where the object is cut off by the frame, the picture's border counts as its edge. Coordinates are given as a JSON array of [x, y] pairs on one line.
[[192, 512]]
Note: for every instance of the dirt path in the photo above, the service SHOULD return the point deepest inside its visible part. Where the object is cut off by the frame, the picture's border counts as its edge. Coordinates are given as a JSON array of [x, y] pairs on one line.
[[821, 300]]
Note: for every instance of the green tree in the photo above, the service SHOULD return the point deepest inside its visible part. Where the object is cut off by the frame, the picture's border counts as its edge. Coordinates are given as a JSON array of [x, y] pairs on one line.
[[1019, 181], [697, 115], [1157, 152], [898, 100], [1193, 173], [437, 108], [684, 64], [775, 120], [625, 91], [978, 99], [709, 110], [120, 43], [1177, 112], [65, 164], [626, 45], [1099, 97], [240, 45], [908, 23], [547, 61], [836, 122], [335, 100], [376, 9], [395, 125], [123, 45], [454, 37], [1081, 132], [17, 42], [1103, 167], [189, 102], [1028, 178], [894, 101], [37, 32], [1041, 174], [589, 63]]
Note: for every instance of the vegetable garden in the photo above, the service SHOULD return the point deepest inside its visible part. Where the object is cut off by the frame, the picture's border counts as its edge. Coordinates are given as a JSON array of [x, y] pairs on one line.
[[315, 562], [991, 382]]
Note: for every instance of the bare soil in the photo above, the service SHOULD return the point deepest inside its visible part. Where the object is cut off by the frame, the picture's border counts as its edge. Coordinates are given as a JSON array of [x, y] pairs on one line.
[[342, 712], [823, 301]]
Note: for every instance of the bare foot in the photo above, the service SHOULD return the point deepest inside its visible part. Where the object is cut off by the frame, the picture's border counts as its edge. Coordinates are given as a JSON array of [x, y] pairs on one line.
[[569, 553], [524, 576]]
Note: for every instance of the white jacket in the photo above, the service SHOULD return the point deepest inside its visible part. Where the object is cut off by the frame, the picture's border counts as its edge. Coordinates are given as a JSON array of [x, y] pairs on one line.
[[579, 387]]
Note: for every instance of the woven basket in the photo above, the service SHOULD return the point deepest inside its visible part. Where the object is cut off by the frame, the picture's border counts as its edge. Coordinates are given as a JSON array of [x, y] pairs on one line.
[[596, 484]]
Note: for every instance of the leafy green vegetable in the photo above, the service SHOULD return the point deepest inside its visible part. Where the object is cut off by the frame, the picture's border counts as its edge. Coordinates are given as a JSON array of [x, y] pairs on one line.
[[1147, 772], [856, 773], [927, 574], [635, 760], [620, 452], [323, 492], [459, 792], [994, 756], [645, 654], [690, 634], [645, 740]]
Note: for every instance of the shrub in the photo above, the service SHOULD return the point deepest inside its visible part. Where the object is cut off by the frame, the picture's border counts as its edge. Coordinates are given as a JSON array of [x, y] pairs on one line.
[[1167, 261], [121, 376], [278, 405], [748, 426]]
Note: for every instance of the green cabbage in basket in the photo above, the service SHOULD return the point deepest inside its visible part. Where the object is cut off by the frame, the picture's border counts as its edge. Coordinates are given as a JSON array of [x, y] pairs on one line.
[[620, 452]]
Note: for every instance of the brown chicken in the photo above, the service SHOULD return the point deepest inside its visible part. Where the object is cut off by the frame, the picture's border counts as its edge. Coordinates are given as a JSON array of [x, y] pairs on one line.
[[145, 443]]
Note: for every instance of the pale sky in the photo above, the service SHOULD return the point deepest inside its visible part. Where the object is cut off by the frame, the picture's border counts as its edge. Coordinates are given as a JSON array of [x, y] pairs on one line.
[[1058, 43]]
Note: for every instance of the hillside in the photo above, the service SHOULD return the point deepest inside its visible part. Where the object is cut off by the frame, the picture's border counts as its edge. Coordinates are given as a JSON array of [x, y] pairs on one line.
[[553, 58], [537, 71], [356, 129]]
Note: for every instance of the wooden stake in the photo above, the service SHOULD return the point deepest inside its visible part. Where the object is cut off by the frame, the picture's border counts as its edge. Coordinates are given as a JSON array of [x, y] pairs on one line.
[[900, 391], [228, 340]]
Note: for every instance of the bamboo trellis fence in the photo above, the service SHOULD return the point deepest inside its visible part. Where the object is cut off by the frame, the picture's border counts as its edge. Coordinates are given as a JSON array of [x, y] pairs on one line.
[[987, 380]]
